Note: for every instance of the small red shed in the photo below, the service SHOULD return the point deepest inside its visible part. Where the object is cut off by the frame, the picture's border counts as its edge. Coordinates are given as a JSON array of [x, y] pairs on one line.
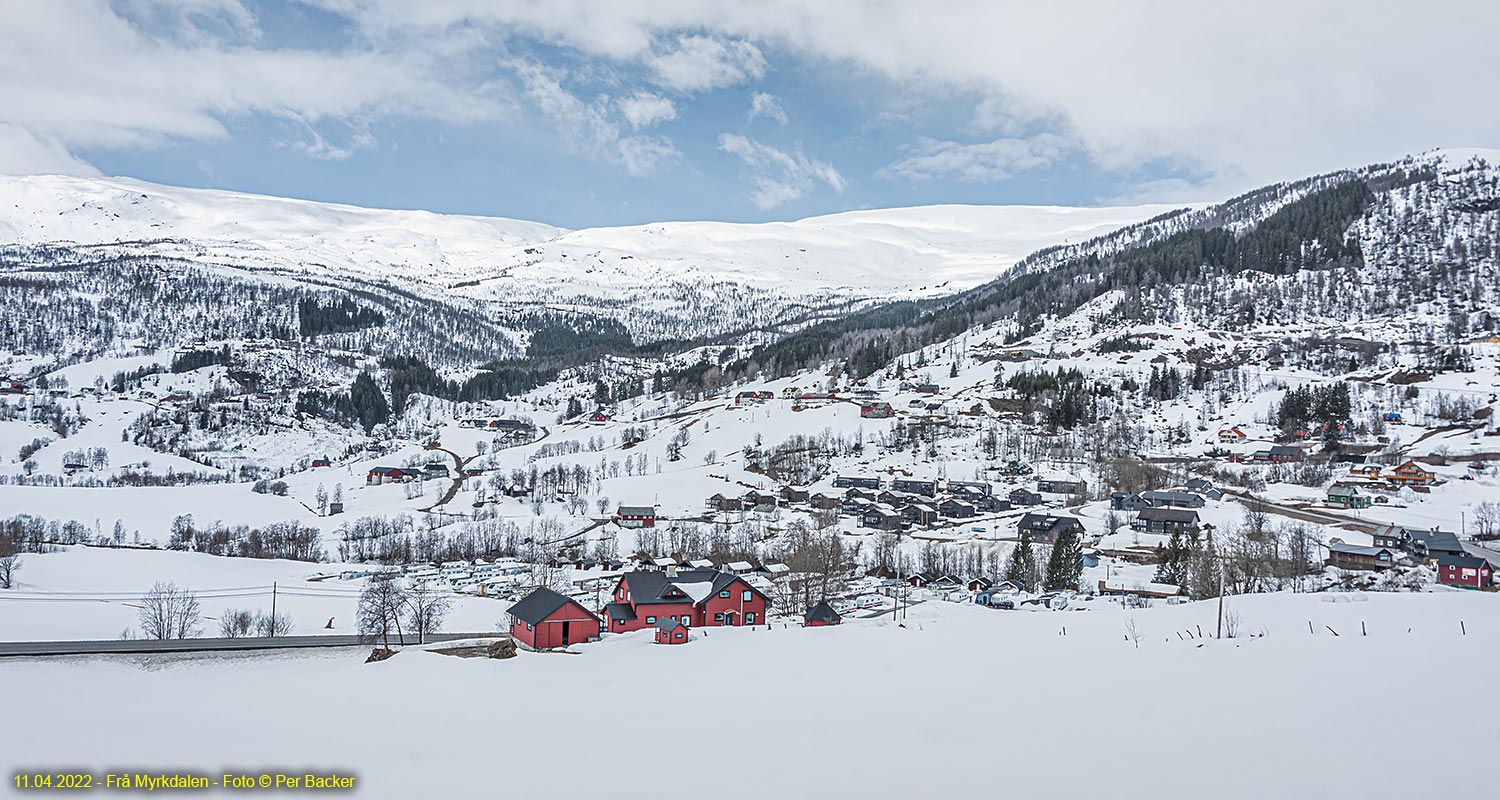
[[670, 631], [545, 619]]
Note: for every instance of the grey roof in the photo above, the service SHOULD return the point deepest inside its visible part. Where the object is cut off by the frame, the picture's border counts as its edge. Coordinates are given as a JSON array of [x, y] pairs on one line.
[[1172, 497], [822, 611], [637, 511], [653, 587], [1438, 541], [1285, 450], [1470, 562], [619, 611], [539, 605], [667, 624], [1155, 514], [1357, 549]]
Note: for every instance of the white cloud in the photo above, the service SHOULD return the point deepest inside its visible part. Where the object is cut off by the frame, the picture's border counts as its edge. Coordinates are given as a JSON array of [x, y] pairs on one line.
[[698, 63], [1260, 91], [590, 127], [766, 105], [22, 153], [983, 162], [644, 109], [779, 176]]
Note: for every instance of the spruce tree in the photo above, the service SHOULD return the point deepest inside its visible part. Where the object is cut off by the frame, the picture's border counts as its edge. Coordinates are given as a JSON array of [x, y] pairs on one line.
[[1065, 565], [1020, 568]]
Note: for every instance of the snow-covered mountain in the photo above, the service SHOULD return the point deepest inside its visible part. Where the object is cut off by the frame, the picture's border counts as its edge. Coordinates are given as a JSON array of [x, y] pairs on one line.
[[784, 271]]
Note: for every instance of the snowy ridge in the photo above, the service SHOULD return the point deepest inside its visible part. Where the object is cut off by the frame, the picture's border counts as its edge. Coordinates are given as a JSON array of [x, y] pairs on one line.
[[868, 254]]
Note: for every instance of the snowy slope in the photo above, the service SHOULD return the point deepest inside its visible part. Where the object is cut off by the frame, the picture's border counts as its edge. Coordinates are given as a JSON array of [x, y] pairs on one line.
[[868, 253]]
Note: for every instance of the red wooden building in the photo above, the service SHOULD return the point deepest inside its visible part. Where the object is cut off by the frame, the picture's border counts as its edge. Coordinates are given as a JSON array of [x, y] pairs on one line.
[[670, 631], [1467, 571], [545, 619], [636, 516], [696, 598]]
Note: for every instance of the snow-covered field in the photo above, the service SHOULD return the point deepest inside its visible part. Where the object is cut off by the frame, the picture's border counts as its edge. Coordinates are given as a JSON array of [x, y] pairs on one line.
[[961, 700]]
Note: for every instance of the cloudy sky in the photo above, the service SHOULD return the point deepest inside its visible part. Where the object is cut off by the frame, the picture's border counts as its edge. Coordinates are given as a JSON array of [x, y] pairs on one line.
[[614, 112]]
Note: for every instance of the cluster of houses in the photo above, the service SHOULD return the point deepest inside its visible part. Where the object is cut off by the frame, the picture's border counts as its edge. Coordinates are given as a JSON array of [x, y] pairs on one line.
[[905, 502], [1346, 493], [1457, 564], [512, 426], [382, 475], [670, 601]]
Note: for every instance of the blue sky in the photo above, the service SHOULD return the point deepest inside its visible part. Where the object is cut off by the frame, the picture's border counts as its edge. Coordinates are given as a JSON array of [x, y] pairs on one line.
[[581, 114]]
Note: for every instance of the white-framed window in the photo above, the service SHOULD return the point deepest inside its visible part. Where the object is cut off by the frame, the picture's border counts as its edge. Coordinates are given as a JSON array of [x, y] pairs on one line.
[[749, 617], [686, 618], [718, 617], [747, 596], [724, 594], [650, 620], [528, 626]]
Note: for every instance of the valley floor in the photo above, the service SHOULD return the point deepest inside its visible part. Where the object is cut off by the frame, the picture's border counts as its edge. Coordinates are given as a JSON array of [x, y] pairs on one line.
[[960, 701]]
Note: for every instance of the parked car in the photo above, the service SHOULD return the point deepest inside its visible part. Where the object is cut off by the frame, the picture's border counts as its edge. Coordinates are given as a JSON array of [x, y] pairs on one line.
[[1006, 603]]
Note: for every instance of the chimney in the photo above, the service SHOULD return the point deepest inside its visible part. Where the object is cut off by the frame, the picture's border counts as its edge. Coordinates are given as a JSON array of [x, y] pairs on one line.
[[672, 571]]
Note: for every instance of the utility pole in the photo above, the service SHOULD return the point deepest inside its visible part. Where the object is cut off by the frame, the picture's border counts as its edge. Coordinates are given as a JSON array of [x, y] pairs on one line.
[[273, 608]]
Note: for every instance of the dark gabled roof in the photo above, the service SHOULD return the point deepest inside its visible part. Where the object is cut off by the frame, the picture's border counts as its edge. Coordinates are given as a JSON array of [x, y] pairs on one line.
[[619, 611], [539, 605], [658, 587], [637, 511], [667, 624], [1157, 514], [1467, 562], [1357, 549], [822, 611]]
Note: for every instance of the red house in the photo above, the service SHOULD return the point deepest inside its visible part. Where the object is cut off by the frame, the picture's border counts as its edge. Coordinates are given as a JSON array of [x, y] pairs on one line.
[[545, 619], [821, 614], [696, 598], [877, 411], [1466, 571], [636, 516], [670, 631], [321, 462]]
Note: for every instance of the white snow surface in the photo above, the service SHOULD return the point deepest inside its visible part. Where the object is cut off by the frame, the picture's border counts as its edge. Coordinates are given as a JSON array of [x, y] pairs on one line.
[[981, 698], [925, 250]]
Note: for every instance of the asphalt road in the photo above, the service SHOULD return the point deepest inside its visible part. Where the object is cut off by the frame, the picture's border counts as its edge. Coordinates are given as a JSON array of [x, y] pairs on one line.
[[206, 645]]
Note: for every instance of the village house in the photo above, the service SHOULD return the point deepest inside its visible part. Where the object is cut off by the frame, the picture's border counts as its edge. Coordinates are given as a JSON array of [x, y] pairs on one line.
[[694, 598], [958, 509], [1347, 497], [636, 517], [320, 462], [1359, 557], [820, 614], [1469, 572], [1044, 528], [1231, 436], [1172, 498], [882, 518], [1126, 501], [1434, 544], [380, 475], [824, 502], [981, 488], [925, 488], [990, 504], [794, 494], [877, 411], [855, 481], [1057, 485], [1024, 497], [1281, 454], [1164, 520], [1392, 536], [920, 514], [723, 502], [1410, 473], [545, 619]]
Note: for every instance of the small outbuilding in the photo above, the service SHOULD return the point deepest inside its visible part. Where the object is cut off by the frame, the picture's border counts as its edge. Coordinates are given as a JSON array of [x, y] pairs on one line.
[[820, 614], [670, 631]]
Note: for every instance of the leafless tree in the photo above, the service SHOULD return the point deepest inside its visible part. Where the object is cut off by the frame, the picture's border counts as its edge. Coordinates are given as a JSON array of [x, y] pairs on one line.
[[10, 564], [1133, 631], [380, 605], [425, 608], [169, 612], [278, 625], [236, 623]]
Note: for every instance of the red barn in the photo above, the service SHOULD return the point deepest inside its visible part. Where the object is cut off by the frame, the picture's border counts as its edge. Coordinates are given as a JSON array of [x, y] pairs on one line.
[[670, 631], [636, 516], [1466, 571], [696, 598], [821, 614], [545, 619]]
